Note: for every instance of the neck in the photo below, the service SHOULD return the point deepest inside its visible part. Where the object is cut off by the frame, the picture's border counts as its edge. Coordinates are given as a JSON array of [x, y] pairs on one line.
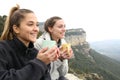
[[54, 38]]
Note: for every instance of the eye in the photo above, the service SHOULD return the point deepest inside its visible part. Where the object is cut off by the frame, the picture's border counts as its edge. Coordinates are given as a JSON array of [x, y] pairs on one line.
[[60, 26], [37, 24], [30, 24]]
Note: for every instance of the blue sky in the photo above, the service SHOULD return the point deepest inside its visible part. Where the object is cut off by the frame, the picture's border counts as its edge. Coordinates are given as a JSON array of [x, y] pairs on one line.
[[99, 18]]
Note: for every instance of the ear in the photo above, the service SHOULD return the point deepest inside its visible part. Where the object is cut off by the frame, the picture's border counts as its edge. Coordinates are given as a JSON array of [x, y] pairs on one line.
[[15, 29], [50, 29]]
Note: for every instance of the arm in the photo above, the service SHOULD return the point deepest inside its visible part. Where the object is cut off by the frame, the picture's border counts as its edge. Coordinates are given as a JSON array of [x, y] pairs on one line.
[[34, 70], [63, 69]]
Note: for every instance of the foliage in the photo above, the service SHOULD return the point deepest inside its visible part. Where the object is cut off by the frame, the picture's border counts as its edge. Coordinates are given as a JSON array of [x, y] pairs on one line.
[[2, 21], [101, 64]]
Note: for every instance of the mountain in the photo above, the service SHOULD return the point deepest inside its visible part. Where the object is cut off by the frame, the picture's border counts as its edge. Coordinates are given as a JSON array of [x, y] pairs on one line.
[[88, 63], [110, 48]]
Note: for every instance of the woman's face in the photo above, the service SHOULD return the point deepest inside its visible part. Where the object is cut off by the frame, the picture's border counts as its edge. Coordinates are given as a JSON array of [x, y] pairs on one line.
[[58, 30], [28, 29]]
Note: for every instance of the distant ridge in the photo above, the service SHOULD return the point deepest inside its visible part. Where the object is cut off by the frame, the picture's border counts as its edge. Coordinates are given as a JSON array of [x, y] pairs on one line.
[[110, 48]]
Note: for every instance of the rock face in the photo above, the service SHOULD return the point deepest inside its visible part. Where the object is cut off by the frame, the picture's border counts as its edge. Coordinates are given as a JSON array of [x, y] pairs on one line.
[[75, 36], [72, 77], [78, 37]]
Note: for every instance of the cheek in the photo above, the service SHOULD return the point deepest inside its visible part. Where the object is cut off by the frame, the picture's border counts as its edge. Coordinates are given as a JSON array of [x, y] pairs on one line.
[[24, 33], [55, 32]]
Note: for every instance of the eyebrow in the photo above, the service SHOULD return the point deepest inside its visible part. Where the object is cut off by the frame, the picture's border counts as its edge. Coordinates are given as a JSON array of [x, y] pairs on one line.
[[33, 22]]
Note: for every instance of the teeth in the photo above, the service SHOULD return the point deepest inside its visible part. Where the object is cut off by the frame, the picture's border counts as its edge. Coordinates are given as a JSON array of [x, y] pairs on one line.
[[34, 35]]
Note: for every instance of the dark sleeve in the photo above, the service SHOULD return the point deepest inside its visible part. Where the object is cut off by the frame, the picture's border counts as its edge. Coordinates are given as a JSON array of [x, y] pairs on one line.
[[34, 70]]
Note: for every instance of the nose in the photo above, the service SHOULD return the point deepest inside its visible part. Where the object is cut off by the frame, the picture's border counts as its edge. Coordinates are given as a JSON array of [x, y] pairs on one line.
[[64, 29], [36, 28]]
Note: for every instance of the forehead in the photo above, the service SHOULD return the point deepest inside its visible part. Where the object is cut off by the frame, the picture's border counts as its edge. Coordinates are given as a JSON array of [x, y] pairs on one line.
[[30, 17], [60, 21]]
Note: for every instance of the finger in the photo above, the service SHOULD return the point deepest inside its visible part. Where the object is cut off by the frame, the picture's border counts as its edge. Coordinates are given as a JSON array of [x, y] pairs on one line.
[[51, 54], [43, 50], [51, 50], [55, 58], [58, 52], [71, 53]]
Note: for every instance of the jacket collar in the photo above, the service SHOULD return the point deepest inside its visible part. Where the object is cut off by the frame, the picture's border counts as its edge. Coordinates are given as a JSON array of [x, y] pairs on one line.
[[20, 46], [46, 36]]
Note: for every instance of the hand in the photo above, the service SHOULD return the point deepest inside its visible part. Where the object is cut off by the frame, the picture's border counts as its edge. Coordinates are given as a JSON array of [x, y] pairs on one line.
[[48, 56], [65, 55]]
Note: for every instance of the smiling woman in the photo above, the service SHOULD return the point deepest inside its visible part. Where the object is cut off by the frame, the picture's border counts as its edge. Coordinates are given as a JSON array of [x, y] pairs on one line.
[[19, 60], [23, 26], [55, 31]]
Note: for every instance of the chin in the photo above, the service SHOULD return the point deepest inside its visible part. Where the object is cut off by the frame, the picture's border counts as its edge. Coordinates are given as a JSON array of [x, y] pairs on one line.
[[61, 37], [33, 40]]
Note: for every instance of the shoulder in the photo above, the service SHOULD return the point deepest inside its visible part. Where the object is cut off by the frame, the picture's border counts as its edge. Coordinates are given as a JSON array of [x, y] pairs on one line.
[[4, 46]]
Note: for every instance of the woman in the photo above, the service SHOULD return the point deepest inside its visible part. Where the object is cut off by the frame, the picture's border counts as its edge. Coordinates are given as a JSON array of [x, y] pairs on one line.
[[19, 60], [55, 30]]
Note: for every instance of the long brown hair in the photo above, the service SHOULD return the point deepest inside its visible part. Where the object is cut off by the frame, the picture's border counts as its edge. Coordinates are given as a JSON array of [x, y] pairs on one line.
[[15, 16]]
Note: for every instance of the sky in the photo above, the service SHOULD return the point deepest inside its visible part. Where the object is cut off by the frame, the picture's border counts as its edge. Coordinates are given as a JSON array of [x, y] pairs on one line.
[[99, 18]]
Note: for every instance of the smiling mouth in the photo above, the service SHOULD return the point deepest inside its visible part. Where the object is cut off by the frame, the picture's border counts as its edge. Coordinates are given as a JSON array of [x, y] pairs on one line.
[[33, 35]]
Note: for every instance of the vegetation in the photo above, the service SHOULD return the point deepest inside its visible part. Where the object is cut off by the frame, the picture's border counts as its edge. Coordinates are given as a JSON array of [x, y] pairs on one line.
[[2, 21], [97, 63]]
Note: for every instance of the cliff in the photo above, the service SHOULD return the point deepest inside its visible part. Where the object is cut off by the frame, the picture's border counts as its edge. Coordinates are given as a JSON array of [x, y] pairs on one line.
[[78, 37], [89, 64]]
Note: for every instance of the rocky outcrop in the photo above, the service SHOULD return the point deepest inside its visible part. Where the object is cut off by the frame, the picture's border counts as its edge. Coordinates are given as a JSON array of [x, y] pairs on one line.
[[71, 76], [93, 76], [76, 36], [90, 76]]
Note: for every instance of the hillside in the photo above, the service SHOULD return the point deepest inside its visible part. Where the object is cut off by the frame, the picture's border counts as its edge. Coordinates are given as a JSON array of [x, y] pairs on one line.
[[108, 47], [88, 62]]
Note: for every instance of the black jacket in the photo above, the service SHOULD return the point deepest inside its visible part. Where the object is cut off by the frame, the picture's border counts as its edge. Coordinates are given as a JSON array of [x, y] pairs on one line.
[[18, 62]]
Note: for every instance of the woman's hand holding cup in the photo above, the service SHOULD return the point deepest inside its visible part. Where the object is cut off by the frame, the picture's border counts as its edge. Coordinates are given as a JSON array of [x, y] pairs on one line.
[[66, 51], [49, 53]]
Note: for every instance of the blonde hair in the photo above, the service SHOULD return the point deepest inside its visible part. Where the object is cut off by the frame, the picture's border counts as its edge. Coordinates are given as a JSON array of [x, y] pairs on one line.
[[15, 16]]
